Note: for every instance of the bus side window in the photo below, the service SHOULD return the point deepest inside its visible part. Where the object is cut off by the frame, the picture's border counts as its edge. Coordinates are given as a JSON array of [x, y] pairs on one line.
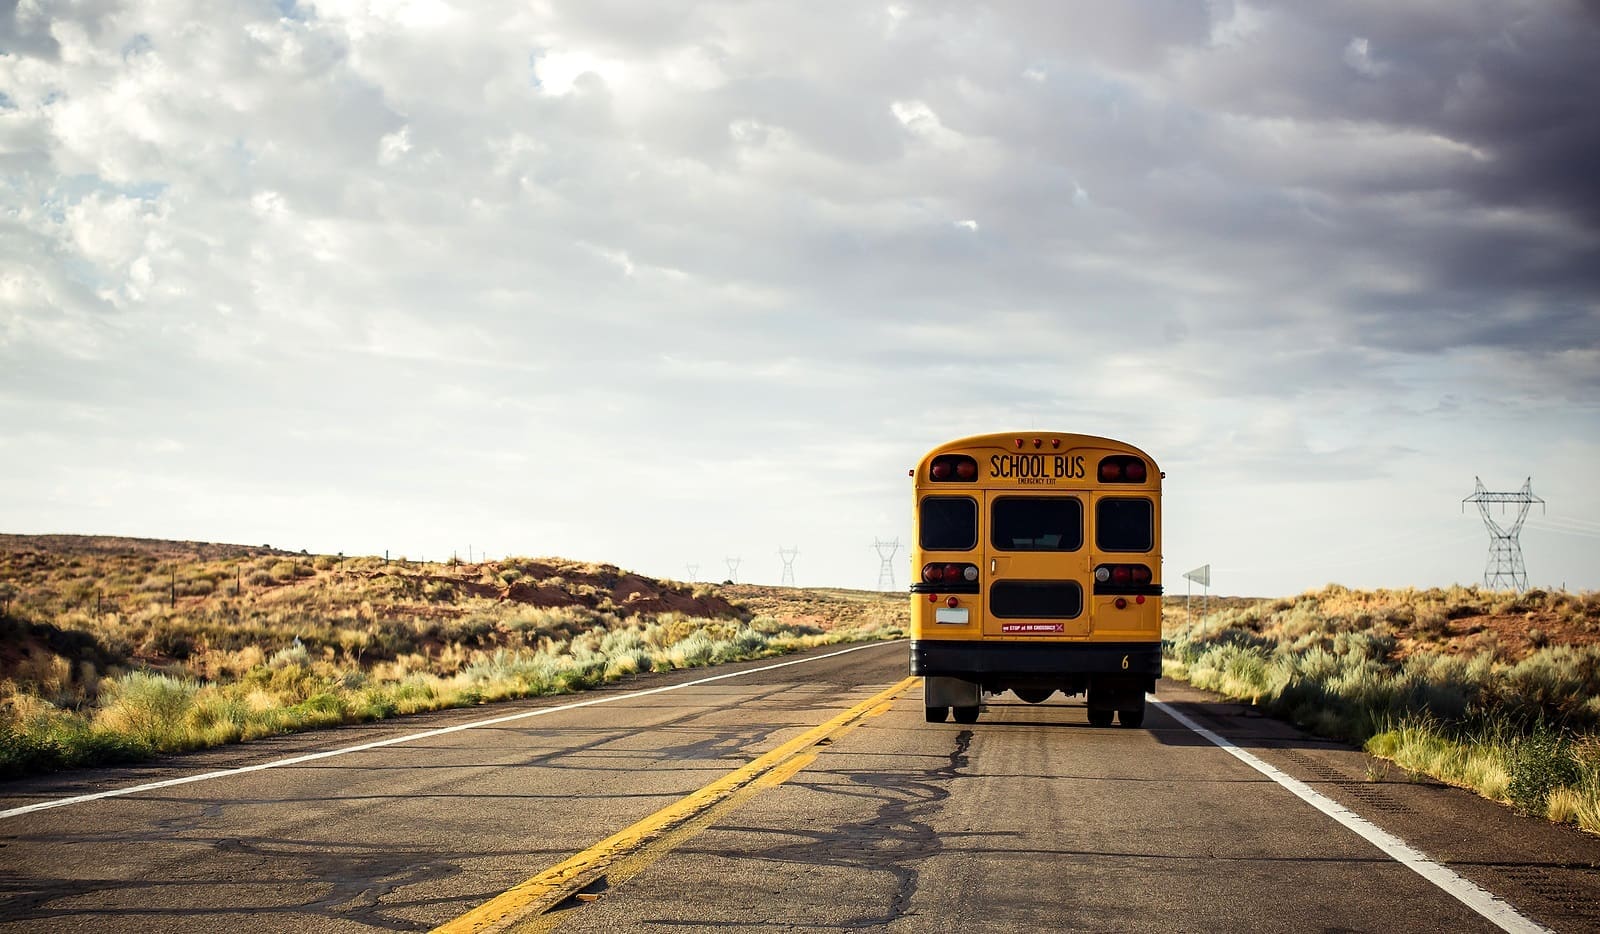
[[949, 523]]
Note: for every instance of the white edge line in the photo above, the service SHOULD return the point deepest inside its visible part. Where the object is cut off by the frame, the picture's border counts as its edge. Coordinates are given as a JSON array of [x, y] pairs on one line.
[[426, 734], [1496, 910]]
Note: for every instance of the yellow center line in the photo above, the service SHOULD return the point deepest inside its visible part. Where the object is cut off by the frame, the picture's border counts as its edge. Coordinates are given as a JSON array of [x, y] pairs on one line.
[[545, 890]]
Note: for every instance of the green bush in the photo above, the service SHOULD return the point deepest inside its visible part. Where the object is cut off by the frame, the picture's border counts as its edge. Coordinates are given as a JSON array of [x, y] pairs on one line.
[[1540, 763]]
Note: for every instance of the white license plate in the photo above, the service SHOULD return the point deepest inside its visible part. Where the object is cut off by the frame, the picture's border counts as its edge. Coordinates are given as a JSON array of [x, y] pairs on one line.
[[951, 615]]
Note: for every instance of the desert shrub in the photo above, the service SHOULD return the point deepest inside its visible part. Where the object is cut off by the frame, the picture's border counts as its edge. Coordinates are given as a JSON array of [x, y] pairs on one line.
[[148, 707], [1541, 763], [692, 651], [196, 588], [283, 571], [172, 642], [293, 655]]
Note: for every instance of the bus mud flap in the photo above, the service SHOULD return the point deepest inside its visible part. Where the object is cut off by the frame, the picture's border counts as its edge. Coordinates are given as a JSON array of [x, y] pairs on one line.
[[951, 692]]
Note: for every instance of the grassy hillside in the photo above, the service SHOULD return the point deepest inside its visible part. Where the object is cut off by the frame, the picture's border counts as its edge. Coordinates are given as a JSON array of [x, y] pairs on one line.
[[1495, 691], [115, 649]]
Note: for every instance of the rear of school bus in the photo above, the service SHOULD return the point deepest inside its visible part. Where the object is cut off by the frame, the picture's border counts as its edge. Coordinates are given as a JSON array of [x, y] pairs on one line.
[[1039, 557]]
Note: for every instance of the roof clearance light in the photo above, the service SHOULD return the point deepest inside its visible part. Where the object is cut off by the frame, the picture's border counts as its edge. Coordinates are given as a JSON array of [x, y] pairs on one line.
[[1019, 443], [1038, 442], [1055, 442]]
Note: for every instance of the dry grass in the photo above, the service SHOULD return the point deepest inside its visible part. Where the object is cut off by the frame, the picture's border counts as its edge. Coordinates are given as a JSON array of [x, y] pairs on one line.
[[1498, 692], [109, 654]]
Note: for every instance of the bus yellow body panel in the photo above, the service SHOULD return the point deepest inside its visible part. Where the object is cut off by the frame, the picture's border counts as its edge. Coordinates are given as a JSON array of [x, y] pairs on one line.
[[1039, 555]]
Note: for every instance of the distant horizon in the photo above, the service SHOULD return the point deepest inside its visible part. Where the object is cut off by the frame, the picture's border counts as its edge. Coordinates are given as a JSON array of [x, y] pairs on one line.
[[1179, 590]]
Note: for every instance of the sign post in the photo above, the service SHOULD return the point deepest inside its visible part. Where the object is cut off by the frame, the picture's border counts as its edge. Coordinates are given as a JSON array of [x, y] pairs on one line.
[[1202, 576]]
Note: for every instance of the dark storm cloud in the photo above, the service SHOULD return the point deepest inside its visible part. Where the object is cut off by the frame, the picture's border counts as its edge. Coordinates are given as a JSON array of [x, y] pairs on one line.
[[1517, 82]]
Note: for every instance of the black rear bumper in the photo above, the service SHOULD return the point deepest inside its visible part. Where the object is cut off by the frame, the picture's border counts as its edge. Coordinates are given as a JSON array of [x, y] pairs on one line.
[[1017, 663]]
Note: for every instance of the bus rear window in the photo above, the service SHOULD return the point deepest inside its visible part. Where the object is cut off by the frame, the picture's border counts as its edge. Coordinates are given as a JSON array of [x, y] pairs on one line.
[[1029, 523], [1124, 524], [949, 523], [1036, 599]]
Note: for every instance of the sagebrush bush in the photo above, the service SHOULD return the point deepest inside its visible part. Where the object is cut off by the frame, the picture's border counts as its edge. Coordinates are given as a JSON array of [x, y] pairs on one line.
[[1330, 661], [1541, 763]]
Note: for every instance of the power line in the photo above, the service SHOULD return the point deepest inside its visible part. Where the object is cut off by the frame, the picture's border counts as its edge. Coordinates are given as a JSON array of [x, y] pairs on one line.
[[1504, 567], [886, 551]]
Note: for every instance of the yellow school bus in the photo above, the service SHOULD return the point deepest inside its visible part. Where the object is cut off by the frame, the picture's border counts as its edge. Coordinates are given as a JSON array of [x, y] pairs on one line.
[[1039, 563]]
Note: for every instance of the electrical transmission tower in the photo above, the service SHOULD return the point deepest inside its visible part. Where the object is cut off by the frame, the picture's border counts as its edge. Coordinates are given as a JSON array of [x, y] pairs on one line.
[[694, 572], [886, 552], [788, 555], [733, 569], [1504, 569]]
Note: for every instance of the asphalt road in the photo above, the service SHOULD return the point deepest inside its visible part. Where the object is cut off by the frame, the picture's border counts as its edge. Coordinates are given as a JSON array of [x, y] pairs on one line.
[[1028, 820]]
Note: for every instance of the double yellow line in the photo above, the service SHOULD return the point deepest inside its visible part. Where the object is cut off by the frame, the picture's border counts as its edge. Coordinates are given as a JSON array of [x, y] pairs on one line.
[[626, 852]]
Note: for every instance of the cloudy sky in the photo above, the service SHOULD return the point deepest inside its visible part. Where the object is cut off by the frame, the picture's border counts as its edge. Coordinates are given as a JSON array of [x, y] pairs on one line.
[[666, 283]]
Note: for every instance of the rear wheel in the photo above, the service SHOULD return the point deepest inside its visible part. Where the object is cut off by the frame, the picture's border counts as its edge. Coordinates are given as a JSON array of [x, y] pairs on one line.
[[936, 714], [966, 714], [1132, 719], [1100, 717], [1033, 695]]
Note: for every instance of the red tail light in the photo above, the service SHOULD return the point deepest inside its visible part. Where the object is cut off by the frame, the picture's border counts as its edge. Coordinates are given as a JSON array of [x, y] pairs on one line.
[[941, 573], [1123, 468], [1124, 578], [958, 468]]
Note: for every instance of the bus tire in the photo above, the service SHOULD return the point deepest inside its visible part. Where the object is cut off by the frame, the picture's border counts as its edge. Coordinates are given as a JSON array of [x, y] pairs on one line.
[[965, 714], [1101, 717], [1132, 719], [936, 714], [1033, 695]]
